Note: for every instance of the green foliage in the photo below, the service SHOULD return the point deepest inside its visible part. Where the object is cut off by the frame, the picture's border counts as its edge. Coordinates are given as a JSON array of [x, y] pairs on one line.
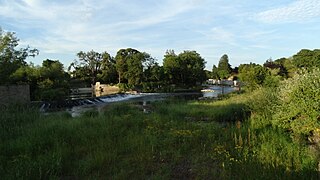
[[91, 64], [224, 68], [122, 62], [177, 140], [215, 72], [108, 72], [293, 106], [135, 69], [299, 103], [307, 58], [153, 73], [290, 67], [125, 87], [185, 69], [53, 83], [253, 75], [11, 58], [272, 80], [262, 103], [278, 67], [47, 82]]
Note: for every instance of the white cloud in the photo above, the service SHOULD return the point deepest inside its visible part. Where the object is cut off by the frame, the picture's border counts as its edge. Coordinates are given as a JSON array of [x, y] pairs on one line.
[[222, 35], [298, 11], [71, 26], [211, 27]]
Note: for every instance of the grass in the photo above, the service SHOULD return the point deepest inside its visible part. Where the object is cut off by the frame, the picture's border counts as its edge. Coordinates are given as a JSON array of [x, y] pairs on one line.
[[177, 140]]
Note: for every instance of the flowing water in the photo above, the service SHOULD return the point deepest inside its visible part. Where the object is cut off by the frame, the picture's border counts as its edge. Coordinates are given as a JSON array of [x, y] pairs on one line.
[[77, 107]]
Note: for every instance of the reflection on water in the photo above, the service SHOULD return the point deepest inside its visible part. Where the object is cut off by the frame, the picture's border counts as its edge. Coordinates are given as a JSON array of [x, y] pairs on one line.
[[218, 90], [146, 98]]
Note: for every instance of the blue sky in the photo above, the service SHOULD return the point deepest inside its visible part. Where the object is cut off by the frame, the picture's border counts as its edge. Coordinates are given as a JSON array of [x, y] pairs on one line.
[[245, 30]]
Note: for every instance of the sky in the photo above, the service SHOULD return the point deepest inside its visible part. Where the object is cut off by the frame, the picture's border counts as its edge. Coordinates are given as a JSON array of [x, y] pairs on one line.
[[246, 30]]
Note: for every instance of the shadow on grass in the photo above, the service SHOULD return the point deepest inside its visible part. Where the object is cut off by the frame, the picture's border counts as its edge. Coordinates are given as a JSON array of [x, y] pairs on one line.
[[124, 143], [208, 112]]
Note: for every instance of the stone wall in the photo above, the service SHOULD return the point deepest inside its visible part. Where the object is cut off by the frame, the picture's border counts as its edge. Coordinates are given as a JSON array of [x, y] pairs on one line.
[[105, 89], [14, 94]]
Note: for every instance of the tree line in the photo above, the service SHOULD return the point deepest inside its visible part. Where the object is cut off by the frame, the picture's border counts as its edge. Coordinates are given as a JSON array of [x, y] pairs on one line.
[[132, 69]]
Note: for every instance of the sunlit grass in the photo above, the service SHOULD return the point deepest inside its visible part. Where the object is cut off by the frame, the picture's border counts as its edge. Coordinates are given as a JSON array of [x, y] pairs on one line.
[[177, 140]]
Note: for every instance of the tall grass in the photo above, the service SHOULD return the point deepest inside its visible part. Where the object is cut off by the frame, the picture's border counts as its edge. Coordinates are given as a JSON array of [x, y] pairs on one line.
[[177, 140]]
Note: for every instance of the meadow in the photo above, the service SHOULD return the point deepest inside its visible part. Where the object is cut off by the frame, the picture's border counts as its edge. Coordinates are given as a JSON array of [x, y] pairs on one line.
[[175, 140]]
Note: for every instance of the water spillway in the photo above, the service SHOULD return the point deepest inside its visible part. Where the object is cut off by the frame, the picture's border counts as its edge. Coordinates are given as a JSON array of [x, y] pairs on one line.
[[76, 106], [69, 103]]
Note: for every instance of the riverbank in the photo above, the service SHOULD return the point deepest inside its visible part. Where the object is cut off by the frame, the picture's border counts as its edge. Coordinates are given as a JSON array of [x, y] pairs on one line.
[[175, 140]]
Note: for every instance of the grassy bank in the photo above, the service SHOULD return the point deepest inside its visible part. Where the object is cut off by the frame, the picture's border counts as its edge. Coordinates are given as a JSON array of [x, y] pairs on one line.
[[177, 140]]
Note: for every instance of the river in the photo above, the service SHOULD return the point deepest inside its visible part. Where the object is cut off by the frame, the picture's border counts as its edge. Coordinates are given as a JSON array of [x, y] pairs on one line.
[[81, 105]]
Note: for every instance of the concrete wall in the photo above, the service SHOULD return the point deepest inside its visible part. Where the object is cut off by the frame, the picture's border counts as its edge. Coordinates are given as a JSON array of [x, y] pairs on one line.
[[105, 89], [14, 94]]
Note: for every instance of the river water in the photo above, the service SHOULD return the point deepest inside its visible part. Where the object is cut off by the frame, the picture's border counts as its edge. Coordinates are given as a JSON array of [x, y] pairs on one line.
[[145, 98]]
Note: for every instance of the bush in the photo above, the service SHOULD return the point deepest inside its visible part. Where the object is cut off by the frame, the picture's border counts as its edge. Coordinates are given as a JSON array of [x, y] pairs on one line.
[[125, 87], [262, 104], [52, 94], [299, 103]]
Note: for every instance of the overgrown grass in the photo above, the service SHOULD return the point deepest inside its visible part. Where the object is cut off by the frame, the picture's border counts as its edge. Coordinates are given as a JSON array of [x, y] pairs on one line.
[[177, 140]]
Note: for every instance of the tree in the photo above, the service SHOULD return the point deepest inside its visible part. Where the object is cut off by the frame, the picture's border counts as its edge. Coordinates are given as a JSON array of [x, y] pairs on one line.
[[253, 75], [109, 72], [152, 72], [135, 69], [47, 82], [122, 62], [131, 64], [215, 72], [276, 66], [224, 68], [186, 69], [11, 58], [53, 82], [307, 58], [28, 74], [90, 64], [172, 67]]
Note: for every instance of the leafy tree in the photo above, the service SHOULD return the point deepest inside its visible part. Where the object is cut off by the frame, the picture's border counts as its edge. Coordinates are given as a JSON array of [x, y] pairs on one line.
[[186, 69], [122, 62], [11, 58], [276, 68], [298, 109], [224, 68], [307, 58], [131, 64], [109, 72], [53, 82], [215, 72], [90, 64], [208, 74], [47, 82], [171, 65], [135, 69], [253, 75], [28, 74], [152, 71], [80, 74], [287, 68]]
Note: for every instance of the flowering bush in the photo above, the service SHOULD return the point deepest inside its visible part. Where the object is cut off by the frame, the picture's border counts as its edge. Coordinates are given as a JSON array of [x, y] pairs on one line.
[[298, 108]]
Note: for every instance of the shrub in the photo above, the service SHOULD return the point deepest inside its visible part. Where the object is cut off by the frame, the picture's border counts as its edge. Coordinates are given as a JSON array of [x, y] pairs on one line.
[[299, 103], [262, 103]]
